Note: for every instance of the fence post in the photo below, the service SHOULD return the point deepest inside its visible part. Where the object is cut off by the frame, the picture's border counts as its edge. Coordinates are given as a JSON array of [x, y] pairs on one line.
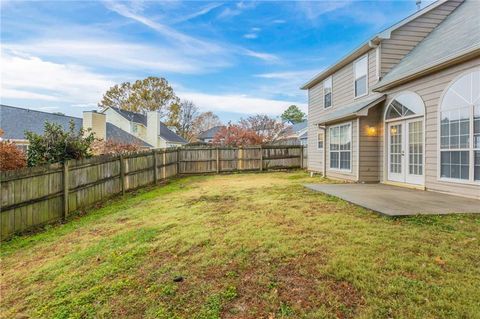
[[164, 168], [178, 161], [218, 161], [155, 168], [261, 158], [239, 159], [122, 174], [301, 156], [65, 190]]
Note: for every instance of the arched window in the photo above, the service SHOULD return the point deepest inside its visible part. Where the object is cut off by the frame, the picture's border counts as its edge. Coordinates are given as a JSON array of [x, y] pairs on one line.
[[460, 129], [405, 104]]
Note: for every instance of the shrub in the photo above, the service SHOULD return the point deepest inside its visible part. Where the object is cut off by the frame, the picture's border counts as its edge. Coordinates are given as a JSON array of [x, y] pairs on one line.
[[100, 147], [58, 145], [11, 157]]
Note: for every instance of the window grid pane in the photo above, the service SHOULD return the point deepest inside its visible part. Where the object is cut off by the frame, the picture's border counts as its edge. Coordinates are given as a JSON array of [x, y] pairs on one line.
[[460, 129], [340, 147]]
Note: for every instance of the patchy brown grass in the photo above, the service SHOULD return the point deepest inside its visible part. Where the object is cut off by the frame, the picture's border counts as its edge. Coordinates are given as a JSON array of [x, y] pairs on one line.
[[247, 246]]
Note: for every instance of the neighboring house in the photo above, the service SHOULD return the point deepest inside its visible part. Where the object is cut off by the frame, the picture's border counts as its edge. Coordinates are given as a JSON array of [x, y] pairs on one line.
[[404, 108], [147, 127], [296, 134], [208, 135], [14, 121]]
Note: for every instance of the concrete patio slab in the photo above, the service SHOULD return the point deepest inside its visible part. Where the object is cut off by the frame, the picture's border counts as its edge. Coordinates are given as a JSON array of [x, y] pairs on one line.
[[398, 201]]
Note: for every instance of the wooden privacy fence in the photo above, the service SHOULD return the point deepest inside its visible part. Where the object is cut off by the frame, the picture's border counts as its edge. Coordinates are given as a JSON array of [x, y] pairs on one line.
[[37, 196]]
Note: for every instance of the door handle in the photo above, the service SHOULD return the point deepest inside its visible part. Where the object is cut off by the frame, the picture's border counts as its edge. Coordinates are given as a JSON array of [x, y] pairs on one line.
[[403, 153]]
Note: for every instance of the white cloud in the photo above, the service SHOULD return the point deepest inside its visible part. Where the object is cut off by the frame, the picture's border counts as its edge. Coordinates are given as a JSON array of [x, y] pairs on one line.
[[279, 21], [185, 43], [239, 103], [199, 13], [267, 57], [289, 75], [314, 9], [236, 10], [31, 78], [112, 53], [250, 36], [168, 32]]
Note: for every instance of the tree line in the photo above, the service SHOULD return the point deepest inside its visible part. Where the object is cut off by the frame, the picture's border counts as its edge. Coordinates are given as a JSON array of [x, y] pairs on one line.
[[156, 94], [150, 94]]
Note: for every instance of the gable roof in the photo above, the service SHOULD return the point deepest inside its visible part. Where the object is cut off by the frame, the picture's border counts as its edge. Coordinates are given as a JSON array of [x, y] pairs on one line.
[[210, 133], [15, 121], [370, 44], [458, 36], [165, 132]]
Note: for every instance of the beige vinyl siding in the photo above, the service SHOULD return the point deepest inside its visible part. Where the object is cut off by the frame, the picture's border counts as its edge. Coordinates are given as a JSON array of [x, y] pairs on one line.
[[342, 95], [405, 38], [430, 89], [343, 175], [369, 150], [315, 108]]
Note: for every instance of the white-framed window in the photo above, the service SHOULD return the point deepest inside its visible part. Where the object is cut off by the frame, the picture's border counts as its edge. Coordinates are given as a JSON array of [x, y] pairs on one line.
[[341, 147], [327, 92], [320, 140], [460, 130], [360, 70]]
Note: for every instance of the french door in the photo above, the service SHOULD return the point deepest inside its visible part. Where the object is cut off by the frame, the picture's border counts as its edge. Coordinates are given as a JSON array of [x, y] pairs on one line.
[[405, 151]]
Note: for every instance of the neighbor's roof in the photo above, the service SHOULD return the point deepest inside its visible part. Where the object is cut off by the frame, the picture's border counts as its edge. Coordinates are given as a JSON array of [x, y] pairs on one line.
[[456, 37], [359, 108], [366, 46], [210, 133], [297, 127], [14, 121], [304, 135], [170, 136], [165, 132]]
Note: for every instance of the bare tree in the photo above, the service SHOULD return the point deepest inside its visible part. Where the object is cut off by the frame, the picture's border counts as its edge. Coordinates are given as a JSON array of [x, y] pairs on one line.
[[268, 128], [206, 121], [186, 120]]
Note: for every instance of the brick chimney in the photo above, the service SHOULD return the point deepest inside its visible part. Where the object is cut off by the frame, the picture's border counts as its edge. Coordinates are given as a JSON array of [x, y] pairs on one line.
[[153, 128], [96, 122]]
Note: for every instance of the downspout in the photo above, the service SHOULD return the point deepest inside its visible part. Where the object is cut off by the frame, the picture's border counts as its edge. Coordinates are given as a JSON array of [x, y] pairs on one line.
[[324, 152]]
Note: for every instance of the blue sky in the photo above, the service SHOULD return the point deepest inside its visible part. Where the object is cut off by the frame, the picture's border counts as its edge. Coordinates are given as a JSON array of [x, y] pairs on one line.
[[234, 58]]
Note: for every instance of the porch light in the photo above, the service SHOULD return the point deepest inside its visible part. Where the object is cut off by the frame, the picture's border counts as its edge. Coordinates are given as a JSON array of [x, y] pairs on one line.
[[371, 131]]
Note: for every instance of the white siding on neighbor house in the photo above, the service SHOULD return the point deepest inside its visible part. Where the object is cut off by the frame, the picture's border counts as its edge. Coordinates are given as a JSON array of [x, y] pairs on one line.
[[430, 88], [117, 120], [342, 95], [405, 38]]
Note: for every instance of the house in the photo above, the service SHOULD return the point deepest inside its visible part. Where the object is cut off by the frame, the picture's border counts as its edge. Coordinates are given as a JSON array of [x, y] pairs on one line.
[[208, 135], [14, 121], [147, 127], [295, 134], [404, 107]]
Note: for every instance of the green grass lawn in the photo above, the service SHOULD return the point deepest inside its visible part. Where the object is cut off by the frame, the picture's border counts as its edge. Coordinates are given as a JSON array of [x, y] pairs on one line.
[[247, 246]]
